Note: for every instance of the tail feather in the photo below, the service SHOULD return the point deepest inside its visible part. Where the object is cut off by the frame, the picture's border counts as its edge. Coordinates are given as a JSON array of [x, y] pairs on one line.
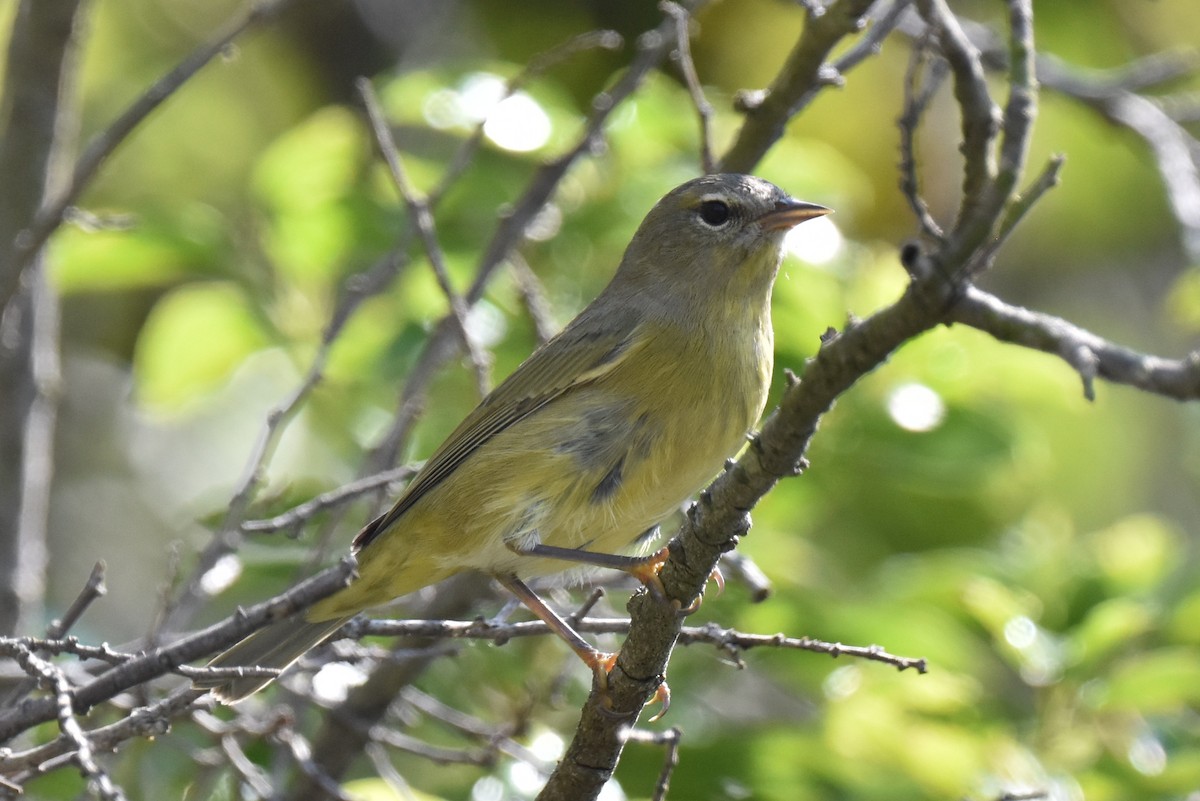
[[276, 646]]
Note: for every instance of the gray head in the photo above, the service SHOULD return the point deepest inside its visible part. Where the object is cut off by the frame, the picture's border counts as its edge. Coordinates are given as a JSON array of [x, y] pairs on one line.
[[717, 230]]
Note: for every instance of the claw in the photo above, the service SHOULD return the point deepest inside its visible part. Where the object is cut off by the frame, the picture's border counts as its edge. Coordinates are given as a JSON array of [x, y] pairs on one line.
[[715, 577], [647, 573], [602, 664], [662, 695]]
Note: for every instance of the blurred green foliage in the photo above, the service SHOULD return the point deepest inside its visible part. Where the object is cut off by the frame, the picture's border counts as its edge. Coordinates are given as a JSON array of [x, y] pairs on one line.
[[1039, 551]]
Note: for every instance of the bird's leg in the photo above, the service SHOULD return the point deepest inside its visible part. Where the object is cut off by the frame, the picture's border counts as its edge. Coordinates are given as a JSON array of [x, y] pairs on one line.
[[643, 568], [600, 662]]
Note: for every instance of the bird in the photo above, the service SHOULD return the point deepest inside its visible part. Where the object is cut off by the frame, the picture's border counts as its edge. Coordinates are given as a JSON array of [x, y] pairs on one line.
[[596, 438]]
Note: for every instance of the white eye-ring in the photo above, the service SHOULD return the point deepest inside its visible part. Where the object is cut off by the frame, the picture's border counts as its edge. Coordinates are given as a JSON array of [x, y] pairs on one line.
[[714, 212]]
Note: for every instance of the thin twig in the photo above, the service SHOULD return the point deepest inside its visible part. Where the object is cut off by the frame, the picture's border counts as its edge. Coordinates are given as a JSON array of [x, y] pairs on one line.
[[533, 295], [709, 634], [683, 53], [50, 216], [885, 17], [917, 95], [749, 574], [301, 753], [147, 721], [421, 217], [980, 116], [298, 515], [799, 81], [93, 589], [602, 39], [163, 660], [82, 752], [1021, 107], [1018, 207], [670, 739], [387, 771], [251, 774], [1088, 353]]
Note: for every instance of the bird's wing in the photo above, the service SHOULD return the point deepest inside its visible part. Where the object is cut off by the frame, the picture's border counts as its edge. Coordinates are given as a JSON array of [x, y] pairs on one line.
[[576, 357]]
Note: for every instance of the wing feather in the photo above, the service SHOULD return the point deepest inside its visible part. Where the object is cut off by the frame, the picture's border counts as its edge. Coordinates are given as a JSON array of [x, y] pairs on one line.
[[575, 358]]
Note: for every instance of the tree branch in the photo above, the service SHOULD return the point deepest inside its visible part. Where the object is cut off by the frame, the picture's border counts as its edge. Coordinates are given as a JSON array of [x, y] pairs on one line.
[[1090, 355], [802, 77], [164, 660]]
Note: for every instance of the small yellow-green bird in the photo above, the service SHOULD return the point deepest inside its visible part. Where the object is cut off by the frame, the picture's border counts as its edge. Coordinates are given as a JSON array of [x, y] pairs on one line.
[[597, 437]]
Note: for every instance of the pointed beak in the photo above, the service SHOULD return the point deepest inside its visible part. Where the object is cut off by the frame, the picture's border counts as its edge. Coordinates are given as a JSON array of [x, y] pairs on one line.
[[788, 213]]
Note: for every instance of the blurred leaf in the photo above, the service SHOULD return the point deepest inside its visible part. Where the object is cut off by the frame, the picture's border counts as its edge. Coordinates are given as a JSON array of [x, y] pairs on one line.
[[1183, 301], [154, 251], [1135, 553], [304, 179], [1184, 621], [379, 790], [1109, 628], [1155, 681], [194, 338]]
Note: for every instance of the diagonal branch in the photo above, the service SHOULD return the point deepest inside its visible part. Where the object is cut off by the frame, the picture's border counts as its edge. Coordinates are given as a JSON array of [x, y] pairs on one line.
[[50, 215], [422, 218], [161, 661], [1091, 355], [802, 77]]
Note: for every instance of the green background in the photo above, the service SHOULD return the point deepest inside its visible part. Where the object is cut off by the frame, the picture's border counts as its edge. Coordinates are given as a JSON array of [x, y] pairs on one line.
[[1040, 551]]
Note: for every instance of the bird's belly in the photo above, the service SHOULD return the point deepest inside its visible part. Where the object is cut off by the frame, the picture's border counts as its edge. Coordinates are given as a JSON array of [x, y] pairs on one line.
[[598, 484]]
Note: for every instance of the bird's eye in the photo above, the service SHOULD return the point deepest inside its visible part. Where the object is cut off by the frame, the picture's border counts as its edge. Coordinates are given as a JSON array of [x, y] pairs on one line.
[[714, 212]]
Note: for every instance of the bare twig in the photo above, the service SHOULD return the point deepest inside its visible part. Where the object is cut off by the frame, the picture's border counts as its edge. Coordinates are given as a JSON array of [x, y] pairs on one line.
[[1021, 106], [533, 294], [163, 660], [302, 754], [980, 116], [1091, 355], [748, 573], [250, 773], [1115, 95], [802, 77], [81, 746], [92, 589], [422, 218], [147, 721], [917, 94], [298, 515], [670, 739], [683, 55], [732, 641], [498, 738], [50, 216], [1018, 207], [710, 634], [884, 17]]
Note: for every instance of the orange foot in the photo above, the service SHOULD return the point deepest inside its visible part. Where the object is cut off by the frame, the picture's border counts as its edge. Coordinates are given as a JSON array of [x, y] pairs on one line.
[[602, 664], [647, 572]]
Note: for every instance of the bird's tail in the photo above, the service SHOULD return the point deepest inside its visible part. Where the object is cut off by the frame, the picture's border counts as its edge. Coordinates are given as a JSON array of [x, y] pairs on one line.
[[276, 646]]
